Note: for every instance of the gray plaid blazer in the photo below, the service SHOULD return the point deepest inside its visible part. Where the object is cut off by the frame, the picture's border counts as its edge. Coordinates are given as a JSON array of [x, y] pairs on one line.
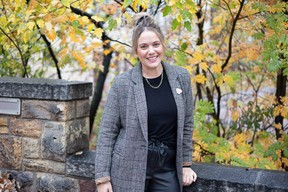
[[121, 151]]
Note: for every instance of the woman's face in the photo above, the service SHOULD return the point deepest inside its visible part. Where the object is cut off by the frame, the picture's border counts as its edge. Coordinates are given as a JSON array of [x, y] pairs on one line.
[[150, 51]]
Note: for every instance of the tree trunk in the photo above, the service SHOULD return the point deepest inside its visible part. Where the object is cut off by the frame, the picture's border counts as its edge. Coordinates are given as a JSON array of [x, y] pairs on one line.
[[98, 89]]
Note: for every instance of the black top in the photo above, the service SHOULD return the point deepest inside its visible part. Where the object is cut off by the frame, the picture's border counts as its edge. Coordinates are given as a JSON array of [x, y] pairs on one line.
[[162, 111]]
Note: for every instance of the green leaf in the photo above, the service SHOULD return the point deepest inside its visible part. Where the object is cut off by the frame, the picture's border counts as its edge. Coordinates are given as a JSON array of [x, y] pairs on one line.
[[127, 3], [180, 58], [258, 35], [183, 46], [112, 23], [66, 3], [175, 24], [285, 152], [75, 23], [188, 26], [166, 10], [186, 15]]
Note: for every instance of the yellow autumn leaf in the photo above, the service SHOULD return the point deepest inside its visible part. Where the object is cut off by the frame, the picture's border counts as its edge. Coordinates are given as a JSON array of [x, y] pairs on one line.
[[51, 35], [3, 21], [79, 57], [145, 3], [97, 18], [216, 68], [26, 37], [63, 52], [107, 51], [198, 56], [128, 17], [229, 80], [284, 100], [40, 23], [101, 68], [235, 115], [90, 27], [84, 20], [189, 68], [60, 19], [239, 138], [171, 2], [200, 79], [135, 4], [192, 61], [277, 110], [48, 26], [98, 32], [204, 66], [278, 126], [73, 37], [30, 25]]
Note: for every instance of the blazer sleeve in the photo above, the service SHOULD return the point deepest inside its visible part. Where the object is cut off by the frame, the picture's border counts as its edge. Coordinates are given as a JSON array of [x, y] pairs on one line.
[[108, 132], [188, 121]]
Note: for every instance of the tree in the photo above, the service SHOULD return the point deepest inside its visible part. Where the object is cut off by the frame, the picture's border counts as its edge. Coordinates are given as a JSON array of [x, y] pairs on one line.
[[235, 51]]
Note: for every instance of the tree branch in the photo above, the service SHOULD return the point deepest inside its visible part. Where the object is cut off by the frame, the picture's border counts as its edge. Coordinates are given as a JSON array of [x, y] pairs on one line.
[[19, 50], [157, 8], [51, 52], [231, 35]]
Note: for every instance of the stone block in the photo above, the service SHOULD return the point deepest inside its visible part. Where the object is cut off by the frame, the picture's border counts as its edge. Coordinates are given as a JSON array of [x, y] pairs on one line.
[[83, 108], [50, 110], [10, 152], [26, 127], [77, 135], [56, 183], [24, 180], [3, 120], [53, 141], [81, 165], [4, 124], [40, 165], [31, 148], [47, 89]]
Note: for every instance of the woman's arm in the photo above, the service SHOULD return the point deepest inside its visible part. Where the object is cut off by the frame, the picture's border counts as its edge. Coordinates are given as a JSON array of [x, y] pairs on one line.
[[188, 122], [108, 132]]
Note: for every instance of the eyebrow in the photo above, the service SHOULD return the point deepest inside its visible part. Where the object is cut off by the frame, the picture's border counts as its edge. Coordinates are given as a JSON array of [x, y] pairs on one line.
[[148, 43]]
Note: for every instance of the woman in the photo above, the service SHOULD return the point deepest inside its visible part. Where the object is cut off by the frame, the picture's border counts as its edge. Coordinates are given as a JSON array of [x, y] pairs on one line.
[[145, 137]]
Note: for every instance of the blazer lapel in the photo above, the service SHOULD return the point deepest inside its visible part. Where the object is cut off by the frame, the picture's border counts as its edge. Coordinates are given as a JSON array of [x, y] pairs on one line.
[[140, 99], [177, 91]]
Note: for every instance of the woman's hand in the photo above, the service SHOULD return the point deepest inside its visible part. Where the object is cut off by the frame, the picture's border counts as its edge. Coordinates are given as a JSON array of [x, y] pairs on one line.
[[104, 187], [189, 176]]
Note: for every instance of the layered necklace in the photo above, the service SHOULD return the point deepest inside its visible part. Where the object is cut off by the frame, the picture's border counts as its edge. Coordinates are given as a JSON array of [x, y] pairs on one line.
[[155, 87]]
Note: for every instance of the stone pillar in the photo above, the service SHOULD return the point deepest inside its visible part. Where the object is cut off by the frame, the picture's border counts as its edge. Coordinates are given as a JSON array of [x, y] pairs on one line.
[[53, 123]]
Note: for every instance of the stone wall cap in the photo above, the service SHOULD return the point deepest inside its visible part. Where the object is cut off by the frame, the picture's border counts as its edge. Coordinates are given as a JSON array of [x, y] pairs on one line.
[[46, 89]]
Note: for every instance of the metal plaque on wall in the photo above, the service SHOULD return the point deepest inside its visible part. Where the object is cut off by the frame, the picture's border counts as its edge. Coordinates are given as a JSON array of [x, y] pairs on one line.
[[10, 106]]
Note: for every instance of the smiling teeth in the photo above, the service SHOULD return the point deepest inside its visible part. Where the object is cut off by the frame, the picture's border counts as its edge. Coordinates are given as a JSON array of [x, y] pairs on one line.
[[152, 58]]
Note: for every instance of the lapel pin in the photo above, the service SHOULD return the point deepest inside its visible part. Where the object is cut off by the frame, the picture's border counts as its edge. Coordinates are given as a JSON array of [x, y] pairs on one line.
[[179, 91]]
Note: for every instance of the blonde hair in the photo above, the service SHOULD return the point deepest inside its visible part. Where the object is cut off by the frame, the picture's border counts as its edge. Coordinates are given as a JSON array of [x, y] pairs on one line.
[[144, 22]]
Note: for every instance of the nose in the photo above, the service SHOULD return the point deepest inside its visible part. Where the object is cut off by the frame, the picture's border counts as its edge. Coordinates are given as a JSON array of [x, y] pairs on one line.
[[151, 50]]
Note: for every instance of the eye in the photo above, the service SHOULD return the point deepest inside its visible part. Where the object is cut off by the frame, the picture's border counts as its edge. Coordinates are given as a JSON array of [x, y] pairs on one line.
[[156, 44], [143, 46]]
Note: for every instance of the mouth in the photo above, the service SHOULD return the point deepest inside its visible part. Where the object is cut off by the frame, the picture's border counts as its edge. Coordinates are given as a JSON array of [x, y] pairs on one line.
[[152, 58]]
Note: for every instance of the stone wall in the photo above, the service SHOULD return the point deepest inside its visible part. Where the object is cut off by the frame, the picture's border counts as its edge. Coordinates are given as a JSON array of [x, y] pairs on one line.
[[52, 125], [45, 146]]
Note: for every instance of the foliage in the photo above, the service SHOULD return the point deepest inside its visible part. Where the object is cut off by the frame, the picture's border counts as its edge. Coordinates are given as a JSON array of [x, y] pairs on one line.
[[261, 150], [233, 50], [6, 183]]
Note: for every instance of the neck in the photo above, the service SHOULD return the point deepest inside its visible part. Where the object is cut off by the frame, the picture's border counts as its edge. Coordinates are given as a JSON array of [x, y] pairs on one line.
[[152, 73]]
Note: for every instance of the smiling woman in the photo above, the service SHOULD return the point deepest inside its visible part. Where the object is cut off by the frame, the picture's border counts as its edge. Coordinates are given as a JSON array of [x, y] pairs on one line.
[[145, 136], [150, 53]]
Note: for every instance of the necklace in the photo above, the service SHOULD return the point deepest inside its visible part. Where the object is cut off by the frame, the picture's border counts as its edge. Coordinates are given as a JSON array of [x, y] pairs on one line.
[[155, 87]]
